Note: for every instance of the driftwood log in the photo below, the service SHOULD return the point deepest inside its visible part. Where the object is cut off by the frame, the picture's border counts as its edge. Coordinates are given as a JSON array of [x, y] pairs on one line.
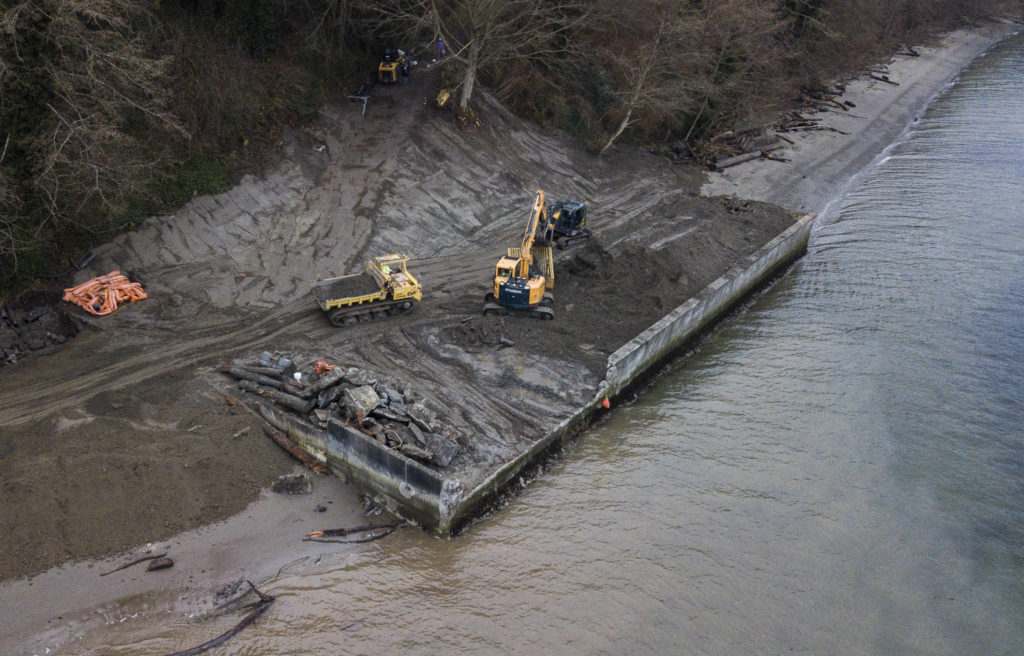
[[301, 406], [289, 446], [140, 559], [745, 157], [261, 607], [883, 78], [260, 379]]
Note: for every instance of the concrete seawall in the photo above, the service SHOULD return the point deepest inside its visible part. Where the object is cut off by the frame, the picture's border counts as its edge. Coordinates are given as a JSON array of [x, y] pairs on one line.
[[443, 504]]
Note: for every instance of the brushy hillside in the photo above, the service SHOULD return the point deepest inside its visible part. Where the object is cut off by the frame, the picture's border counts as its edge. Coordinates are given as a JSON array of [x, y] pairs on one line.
[[111, 110]]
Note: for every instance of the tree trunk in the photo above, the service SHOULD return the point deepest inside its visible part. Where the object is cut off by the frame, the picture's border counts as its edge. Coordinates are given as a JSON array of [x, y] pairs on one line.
[[469, 78], [622, 127]]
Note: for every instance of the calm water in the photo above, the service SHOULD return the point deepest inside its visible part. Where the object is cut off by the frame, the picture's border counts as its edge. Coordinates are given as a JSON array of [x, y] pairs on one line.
[[839, 471]]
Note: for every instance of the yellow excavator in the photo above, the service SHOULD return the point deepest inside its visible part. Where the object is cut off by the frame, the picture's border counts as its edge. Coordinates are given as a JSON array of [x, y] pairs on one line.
[[524, 276]]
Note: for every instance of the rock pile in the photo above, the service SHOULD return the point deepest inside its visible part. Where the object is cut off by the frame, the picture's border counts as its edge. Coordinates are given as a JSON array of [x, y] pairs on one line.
[[385, 409], [30, 325]]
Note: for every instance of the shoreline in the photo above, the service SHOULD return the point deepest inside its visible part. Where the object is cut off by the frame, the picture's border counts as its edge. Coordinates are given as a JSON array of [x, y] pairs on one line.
[[69, 600]]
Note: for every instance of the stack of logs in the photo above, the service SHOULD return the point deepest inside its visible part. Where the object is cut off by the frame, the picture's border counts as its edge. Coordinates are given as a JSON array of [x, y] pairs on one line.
[[386, 410], [736, 146]]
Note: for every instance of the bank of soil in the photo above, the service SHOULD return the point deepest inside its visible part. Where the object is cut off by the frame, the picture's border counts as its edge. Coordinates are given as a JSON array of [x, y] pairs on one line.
[[122, 437]]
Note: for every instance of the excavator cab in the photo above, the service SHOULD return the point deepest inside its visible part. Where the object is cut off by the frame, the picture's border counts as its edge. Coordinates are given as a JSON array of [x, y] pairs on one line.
[[516, 286], [568, 218]]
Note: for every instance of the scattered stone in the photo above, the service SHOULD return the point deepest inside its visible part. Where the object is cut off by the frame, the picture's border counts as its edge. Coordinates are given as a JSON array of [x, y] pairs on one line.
[[292, 484], [415, 452], [361, 399], [418, 435], [421, 415], [329, 396], [321, 416], [442, 449], [325, 380], [385, 413], [285, 366], [160, 563], [394, 396], [359, 377]]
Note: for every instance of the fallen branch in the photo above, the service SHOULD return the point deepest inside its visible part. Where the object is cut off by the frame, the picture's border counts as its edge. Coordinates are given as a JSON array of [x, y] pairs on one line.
[[289, 446], [325, 535], [261, 607], [140, 559], [883, 78], [745, 157]]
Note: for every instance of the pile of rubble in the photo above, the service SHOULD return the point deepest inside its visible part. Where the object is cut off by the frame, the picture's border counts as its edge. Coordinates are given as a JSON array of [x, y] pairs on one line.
[[384, 409], [30, 325]]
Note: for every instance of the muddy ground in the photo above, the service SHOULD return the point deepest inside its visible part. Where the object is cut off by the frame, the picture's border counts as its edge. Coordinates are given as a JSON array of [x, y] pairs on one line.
[[121, 436]]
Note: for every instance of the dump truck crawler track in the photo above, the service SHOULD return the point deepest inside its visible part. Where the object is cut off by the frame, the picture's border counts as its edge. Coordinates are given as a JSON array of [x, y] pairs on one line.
[[375, 310]]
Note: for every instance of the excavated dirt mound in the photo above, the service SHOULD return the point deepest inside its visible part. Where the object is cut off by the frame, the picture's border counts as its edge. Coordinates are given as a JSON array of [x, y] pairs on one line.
[[122, 436]]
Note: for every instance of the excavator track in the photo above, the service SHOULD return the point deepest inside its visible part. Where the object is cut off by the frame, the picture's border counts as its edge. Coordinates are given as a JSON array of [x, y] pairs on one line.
[[346, 316], [545, 311], [564, 243]]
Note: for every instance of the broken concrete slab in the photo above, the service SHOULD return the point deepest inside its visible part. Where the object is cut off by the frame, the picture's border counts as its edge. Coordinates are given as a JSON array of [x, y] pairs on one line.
[[361, 399]]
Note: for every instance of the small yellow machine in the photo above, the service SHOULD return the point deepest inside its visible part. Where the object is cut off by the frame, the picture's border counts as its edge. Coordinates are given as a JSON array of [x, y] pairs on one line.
[[524, 276], [390, 65], [386, 288]]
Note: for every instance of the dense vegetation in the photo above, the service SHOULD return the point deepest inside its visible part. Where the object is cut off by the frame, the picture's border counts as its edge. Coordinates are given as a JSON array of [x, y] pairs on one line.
[[114, 109]]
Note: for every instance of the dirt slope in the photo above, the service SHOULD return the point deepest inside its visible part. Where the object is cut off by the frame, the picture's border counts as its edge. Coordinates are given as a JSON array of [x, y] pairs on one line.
[[121, 436]]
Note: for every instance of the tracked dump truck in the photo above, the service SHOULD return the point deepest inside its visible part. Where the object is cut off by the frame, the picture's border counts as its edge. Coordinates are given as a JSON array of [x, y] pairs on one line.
[[386, 288]]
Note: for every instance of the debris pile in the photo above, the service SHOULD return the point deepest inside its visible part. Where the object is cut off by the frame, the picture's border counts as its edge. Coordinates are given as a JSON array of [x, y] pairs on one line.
[[31, 324], [386, 410]]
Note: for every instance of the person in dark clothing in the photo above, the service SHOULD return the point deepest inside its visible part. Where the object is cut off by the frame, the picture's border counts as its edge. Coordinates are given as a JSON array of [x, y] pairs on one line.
[[404, 68], [440, 48]]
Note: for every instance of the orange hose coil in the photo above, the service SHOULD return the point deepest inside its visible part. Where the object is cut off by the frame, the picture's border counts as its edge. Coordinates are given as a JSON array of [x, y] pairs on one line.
[[102, 294]]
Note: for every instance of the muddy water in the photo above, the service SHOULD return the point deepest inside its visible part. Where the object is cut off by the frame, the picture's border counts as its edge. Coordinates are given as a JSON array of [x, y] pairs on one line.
[[837, 471]]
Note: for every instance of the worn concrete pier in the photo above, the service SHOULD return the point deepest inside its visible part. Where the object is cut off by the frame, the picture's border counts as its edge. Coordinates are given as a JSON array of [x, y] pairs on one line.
[[442, 503]]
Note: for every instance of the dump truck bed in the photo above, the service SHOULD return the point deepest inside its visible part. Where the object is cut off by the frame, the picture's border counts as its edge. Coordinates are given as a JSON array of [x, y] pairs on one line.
[[333, 289]]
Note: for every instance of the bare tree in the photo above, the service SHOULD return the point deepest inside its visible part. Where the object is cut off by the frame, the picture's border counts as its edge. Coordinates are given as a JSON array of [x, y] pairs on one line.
[[644, 46], [480, 33], [102, 95], [332, 24]]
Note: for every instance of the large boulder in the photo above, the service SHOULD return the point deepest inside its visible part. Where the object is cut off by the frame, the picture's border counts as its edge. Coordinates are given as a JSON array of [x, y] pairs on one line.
[[361, 399]]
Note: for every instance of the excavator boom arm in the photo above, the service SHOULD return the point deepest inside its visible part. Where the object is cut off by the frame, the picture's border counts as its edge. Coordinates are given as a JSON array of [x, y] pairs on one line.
[[539, 211]]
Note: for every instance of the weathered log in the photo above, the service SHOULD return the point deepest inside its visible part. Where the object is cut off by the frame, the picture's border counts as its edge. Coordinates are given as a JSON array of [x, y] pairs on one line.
[[138, 560], [746, 157], [289, 446], [245, 374], [325, 535], [301, 406], [273, 372], [883, 78]]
